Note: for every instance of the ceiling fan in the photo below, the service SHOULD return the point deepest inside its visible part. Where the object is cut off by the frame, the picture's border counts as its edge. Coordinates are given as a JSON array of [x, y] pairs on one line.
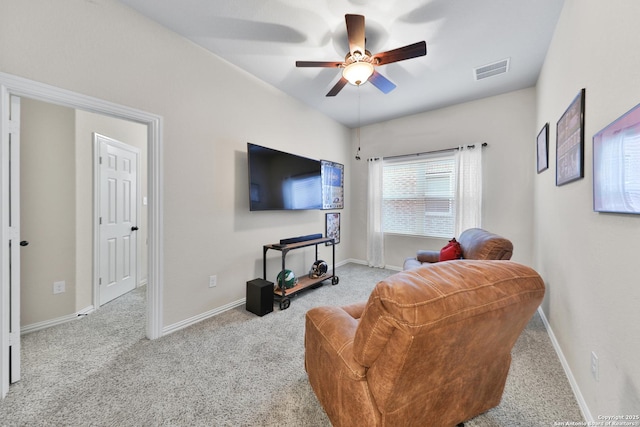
[[358, 65]]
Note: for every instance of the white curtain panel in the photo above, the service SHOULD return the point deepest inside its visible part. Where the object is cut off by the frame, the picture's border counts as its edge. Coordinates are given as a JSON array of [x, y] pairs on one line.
[[469, 188], [375, 235]]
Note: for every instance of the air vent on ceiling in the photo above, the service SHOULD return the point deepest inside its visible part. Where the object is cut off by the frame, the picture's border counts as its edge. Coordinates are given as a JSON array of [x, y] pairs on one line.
[[489, 70]]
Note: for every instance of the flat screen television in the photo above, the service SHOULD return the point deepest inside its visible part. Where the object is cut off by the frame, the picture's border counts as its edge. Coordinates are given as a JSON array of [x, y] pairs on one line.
[[282, 181], [616, 165]]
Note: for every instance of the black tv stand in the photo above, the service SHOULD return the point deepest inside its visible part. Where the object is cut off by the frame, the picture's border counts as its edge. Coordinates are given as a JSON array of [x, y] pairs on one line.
[[283, 296]]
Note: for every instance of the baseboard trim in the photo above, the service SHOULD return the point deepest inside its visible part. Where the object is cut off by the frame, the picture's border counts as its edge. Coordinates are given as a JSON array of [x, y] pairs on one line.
[[206, 315], [27, 329], [363, 262], [567, 370], [352, 261], [200, 317]]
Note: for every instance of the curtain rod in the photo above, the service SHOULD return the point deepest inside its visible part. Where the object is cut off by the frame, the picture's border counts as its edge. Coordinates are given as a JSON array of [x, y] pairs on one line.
[[484, 144]]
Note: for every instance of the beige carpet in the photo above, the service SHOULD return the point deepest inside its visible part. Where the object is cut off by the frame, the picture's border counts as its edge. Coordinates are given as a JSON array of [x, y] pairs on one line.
[[235, 369]]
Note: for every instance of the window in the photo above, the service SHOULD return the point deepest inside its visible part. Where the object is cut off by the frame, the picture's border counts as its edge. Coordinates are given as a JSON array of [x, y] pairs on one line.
[[418, 196]]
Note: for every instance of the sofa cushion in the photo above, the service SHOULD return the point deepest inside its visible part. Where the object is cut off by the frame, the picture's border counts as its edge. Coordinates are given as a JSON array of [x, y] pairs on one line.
[[451, 251], [451, 291]]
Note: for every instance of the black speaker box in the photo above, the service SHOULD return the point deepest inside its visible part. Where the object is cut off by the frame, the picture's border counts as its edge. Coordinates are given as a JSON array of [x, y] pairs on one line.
[[260, 296]]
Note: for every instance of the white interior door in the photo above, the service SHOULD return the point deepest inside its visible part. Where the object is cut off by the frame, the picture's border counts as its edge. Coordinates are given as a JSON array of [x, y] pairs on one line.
[[118, 217], [10, 231], [14, 239]]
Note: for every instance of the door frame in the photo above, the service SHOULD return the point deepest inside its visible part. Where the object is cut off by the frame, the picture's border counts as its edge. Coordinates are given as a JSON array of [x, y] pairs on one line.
[[22, 87], [97, 234]]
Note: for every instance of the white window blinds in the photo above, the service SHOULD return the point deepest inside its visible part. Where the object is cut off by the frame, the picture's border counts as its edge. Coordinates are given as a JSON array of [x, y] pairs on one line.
[[419, 196]]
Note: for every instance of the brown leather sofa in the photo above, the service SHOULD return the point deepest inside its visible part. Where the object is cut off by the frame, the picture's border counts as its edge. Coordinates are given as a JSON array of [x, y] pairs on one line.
[[476, 243], [430, 347]]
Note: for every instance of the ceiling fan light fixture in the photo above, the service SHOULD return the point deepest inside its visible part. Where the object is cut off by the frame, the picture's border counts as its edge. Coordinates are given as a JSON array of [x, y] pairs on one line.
[[357, 73]]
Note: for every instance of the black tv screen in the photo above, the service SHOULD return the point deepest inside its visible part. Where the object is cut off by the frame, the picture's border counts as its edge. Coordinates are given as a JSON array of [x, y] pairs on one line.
[[616, 165], [282, 181]]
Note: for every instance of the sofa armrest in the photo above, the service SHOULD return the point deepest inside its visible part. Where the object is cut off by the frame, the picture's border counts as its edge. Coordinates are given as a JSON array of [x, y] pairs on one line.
[[428, 256], [338, 381], [329, 334]]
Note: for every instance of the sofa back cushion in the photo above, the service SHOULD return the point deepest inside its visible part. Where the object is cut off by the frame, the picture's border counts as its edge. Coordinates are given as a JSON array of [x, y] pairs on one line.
[[444, 332], [477, 243]]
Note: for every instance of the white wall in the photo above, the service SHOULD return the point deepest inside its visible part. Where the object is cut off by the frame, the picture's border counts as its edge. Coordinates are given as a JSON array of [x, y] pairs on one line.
[[590, 261], [505, 122], [210, 109]]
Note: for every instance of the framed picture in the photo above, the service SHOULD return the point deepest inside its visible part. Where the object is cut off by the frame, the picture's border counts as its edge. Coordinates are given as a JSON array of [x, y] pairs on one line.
[[616, 163], [542, 145], [332, 227], [570, 142], [332, 185]]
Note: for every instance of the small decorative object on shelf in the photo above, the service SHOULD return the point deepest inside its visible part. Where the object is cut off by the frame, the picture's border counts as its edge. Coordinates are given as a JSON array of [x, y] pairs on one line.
[[318, 269], [286, 279]]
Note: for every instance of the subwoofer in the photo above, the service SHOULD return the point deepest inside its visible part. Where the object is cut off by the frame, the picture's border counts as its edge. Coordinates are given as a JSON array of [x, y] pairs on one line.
[[260, 296]]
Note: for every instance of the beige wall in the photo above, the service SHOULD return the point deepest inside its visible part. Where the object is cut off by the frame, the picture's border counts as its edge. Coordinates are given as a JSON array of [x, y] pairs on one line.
[[210, 110], [505, 122], [57, 205], [590, 261], [47, 189]]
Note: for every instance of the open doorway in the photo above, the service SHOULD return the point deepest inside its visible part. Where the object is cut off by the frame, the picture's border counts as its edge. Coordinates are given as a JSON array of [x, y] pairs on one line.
[[12, 86], [57, 215]]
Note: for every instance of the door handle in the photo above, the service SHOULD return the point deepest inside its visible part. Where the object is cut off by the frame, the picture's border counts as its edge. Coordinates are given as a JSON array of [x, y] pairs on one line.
[[24, 243], [134, 228]]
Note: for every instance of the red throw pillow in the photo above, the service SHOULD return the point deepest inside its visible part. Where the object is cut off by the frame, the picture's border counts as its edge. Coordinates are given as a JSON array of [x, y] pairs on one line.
[[451, 251]]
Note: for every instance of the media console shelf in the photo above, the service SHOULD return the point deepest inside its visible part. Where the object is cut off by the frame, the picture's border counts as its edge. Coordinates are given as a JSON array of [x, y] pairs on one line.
[[304, 281]]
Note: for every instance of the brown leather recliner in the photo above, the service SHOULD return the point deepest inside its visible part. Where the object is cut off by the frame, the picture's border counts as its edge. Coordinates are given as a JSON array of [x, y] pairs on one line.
[[476, 243], [430, 347]]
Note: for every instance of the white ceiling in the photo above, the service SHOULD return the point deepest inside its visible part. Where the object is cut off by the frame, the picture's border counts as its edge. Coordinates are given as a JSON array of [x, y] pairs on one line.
[[266, 37]]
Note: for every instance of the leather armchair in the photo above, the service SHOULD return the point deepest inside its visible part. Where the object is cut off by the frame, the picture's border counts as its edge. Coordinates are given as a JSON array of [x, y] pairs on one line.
[[476, 243], [430, 347]]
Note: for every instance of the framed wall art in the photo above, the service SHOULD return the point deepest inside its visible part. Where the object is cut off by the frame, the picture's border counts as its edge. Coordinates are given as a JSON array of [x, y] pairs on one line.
[[616, 165], [332, 227], [570, 142], [332, 185], [542, 148]]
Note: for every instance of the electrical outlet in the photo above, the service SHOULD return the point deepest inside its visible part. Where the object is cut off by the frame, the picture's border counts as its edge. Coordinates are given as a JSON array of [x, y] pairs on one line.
[[59, 287], [595, 368], [213, 281]]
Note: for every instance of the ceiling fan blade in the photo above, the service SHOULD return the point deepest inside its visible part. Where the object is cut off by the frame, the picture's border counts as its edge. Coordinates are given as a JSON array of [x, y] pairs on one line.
[[338, 87], [355, 33], [401, 53], [381, 82], [324, 64]]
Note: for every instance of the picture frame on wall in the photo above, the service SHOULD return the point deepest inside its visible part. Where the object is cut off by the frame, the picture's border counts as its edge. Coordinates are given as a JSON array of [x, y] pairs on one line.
[[332, 227], [542, 148], [616, 165], [332, 185], [570, 142]]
